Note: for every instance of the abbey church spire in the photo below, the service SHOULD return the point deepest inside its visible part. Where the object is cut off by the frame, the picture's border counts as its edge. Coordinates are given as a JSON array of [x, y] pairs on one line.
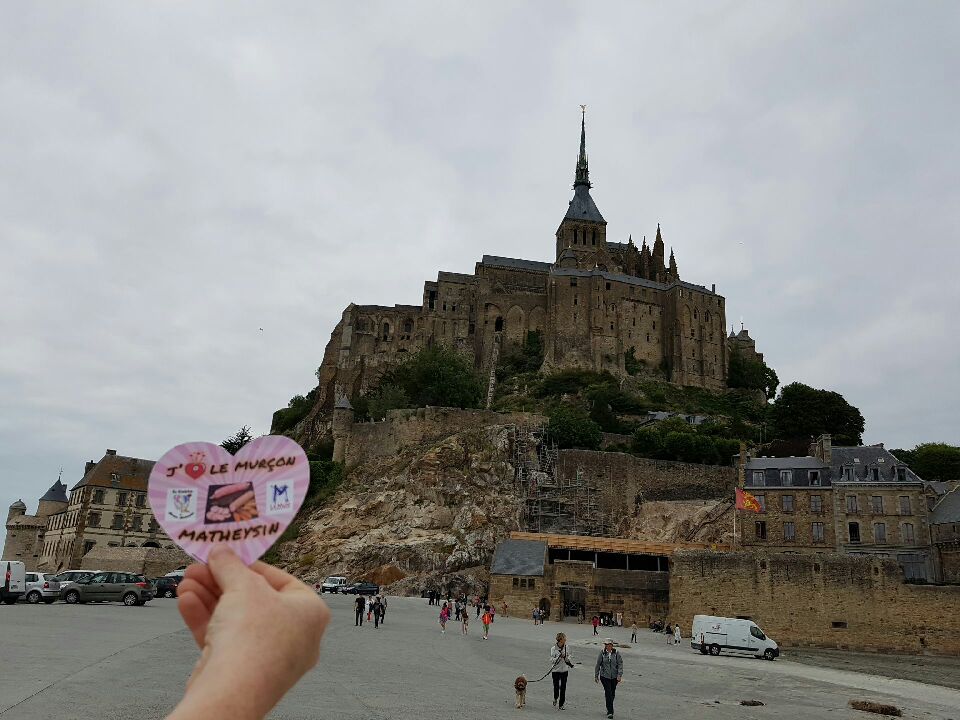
[[582, 175], [583, 228]]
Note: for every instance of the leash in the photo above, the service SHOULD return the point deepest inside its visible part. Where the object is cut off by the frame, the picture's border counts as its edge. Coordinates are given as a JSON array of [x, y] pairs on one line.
[[556, 662]]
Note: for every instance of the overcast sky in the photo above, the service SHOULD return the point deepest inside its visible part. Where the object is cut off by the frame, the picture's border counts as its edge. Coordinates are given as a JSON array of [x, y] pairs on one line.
[[175, 176]]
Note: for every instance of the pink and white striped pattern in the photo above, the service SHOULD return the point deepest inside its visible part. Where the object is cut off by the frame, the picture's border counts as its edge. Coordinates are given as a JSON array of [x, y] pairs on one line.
[[278, 461]]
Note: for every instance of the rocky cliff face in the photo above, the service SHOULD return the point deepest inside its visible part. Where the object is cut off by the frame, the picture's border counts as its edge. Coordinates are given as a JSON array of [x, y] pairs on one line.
[[427, 517]]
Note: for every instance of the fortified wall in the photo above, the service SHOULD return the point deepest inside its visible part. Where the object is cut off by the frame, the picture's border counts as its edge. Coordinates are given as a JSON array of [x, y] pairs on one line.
[[150, 562], [824, 600], [365, 441], [623, 481]]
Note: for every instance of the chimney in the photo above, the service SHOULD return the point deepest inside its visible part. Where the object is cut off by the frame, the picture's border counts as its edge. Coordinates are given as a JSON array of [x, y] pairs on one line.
[[713, 288], [822, 449], [111, 452], [89, 466]]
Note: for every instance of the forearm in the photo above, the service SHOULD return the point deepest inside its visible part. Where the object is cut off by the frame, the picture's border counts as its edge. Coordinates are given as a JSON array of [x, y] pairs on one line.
[[219, 690]]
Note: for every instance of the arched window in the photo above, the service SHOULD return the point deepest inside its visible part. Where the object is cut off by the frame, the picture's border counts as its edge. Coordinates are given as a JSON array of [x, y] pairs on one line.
[[386, 331], [498, 324], [407, 327]]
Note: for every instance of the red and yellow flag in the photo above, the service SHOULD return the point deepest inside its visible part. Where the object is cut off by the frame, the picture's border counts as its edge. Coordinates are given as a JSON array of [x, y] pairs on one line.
[[746, 501]]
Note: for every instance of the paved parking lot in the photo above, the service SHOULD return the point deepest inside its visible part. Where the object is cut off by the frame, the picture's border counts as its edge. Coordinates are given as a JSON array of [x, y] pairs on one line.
[[110, 661]]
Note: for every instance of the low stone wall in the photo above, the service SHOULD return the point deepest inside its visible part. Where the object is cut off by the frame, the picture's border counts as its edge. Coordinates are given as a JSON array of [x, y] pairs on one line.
[[151, 562], [824, 600], [412, 427]]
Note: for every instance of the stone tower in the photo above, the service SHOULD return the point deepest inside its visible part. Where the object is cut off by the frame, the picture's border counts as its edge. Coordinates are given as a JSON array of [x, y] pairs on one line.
[[53, 501], [342, 425], [16, 509], [583, 229]]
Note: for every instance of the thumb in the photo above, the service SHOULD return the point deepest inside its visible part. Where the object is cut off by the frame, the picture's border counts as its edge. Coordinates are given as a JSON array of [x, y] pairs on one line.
[[227, 569]]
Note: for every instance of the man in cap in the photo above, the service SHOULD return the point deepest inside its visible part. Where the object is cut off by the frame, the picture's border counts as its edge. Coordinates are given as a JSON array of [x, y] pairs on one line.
[[609, 672]]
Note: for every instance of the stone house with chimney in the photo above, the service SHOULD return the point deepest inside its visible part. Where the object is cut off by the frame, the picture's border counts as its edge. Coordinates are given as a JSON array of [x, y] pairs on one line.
[[107, 508], [854, 500], [25, 533]]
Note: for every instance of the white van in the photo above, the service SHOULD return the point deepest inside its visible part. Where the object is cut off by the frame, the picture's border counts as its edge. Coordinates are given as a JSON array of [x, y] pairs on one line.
[[14, 581], [714, 634], [333, 584]]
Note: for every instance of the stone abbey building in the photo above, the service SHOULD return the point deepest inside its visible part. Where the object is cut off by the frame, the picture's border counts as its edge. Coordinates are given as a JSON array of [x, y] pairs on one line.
[[594, 304]]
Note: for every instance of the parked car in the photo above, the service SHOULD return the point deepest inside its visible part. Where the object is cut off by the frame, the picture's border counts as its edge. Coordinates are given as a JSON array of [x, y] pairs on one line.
[[128, 588], [714, 634], [14, 581], [65, 577], [333, 584], [165, 586], [41, 586], [362, 588], [178, 573]]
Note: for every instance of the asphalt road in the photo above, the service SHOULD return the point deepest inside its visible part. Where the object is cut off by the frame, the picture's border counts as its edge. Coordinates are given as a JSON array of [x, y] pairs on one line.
[[110, 661]]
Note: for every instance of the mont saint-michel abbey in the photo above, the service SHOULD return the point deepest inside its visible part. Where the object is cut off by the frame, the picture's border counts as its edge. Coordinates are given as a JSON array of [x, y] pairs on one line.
[[593, 304]]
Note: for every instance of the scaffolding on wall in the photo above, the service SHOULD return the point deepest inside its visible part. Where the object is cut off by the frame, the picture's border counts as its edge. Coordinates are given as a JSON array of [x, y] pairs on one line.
[[552, 503]]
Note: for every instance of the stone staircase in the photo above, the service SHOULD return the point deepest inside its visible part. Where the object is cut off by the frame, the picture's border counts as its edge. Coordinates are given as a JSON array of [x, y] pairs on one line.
[[492, 382]]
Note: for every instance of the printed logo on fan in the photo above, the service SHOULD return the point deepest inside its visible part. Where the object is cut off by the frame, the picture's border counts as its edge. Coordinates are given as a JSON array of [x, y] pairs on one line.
[[279, 498], [181, 504]]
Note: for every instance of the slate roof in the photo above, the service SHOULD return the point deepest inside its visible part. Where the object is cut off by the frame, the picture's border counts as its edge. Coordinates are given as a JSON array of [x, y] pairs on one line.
[[56, 493], [132, 473], [869, 456], [18, 505], [515, 263], [947, 510], [343, 403], [582, 207], [519, 557], [787, 463]]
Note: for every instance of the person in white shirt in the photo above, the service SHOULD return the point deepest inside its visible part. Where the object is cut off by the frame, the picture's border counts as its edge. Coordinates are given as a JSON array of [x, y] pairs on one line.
[[562, 662]]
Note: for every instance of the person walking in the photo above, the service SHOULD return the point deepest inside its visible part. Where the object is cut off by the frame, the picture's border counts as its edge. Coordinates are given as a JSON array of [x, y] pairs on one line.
[[383, 609], [478, 608], [668, 631], [486, 620], [377, 607], [676, 634], [444, 616], [562, 662], [493, 613], [633, 632], [609, 672], [369, 608], [465, 622], [596, 623], [536, 614], [359, 602]]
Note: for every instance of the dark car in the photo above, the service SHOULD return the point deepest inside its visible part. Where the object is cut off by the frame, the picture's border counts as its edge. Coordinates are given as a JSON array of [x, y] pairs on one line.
[[166, 586], [128, 588], [362, 588]]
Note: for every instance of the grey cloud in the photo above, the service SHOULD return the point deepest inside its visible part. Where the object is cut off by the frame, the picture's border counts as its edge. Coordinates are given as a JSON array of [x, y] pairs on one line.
[[176, 176]]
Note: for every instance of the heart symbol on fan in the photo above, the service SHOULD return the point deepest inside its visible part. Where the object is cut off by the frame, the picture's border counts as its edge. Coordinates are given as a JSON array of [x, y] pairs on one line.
[[202, 496]]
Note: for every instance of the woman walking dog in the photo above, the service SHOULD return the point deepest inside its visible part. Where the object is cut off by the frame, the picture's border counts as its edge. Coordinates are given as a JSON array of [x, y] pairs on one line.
[[562, 662]]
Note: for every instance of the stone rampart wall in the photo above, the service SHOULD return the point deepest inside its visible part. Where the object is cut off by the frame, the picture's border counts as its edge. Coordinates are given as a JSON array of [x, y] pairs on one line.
[[412, 427], [824, 600], [151, 562]]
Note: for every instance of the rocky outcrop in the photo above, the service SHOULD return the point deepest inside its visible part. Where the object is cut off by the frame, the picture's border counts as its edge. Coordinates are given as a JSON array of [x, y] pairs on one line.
[[430, 516]]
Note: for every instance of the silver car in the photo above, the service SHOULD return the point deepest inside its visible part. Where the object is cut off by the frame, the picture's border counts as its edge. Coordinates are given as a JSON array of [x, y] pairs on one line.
[[41, 586]]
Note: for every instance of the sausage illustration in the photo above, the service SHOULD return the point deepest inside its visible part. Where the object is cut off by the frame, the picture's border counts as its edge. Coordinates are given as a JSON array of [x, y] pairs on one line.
[[229, 490], [242, 500]]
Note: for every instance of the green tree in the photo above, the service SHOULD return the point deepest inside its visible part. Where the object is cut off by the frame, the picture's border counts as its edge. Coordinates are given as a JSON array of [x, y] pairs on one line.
[[296, 410], [571, 427], [516, 359], [801, 411], [436, 376], [932, 461], [751, 374], [236, 441], [384, 399], [631, 363]]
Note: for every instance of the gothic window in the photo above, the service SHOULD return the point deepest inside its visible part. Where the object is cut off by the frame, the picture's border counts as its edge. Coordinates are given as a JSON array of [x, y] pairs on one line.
[[707, 315]]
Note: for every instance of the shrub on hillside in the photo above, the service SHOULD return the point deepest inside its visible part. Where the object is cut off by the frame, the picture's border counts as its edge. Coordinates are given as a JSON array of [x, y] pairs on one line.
[[571, 427]]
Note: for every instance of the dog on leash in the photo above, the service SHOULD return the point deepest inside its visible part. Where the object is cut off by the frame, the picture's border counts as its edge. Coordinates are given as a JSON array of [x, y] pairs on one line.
[[520, 685]]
